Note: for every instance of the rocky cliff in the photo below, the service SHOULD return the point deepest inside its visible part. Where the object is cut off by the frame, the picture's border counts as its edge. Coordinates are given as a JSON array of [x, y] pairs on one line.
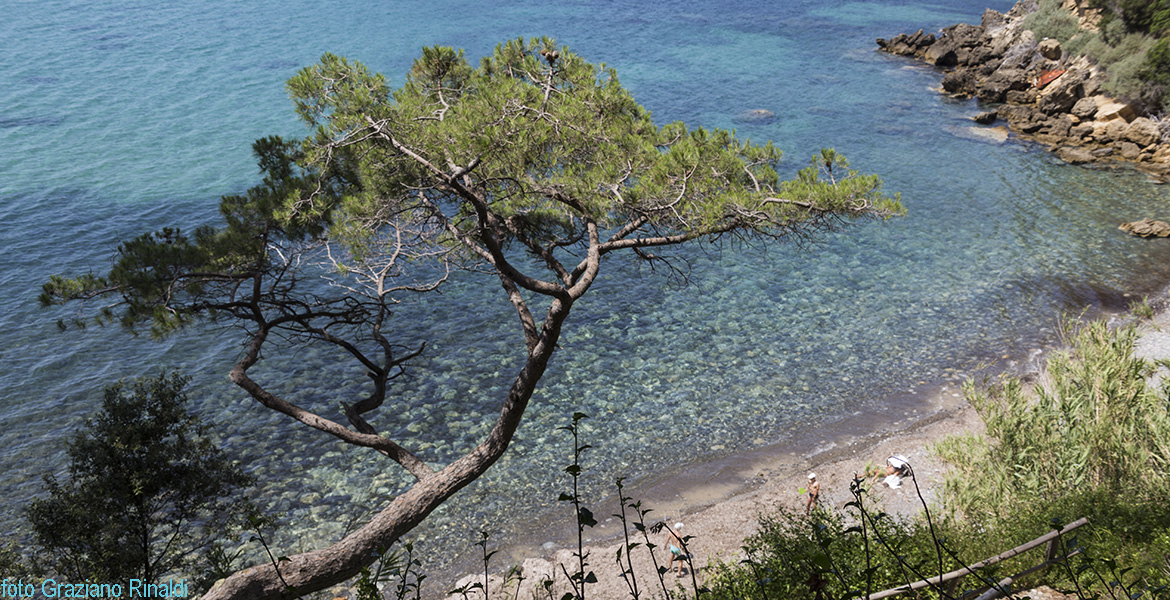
[[1041, 92]]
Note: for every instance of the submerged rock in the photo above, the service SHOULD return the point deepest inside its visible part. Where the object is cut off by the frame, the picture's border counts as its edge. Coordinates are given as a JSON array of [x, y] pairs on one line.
[[995, 135], [757, 115]]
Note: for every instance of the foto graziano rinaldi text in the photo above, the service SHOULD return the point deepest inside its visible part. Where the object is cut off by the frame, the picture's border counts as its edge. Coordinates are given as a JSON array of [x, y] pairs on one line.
[[135, 588]]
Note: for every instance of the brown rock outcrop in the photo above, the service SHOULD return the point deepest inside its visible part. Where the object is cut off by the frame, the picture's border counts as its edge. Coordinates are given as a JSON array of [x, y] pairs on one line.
[[1112, 111], [1084, 108], [1147, 228], [1061, 95], [1075, 156], [1043, 94], [960, 82], [1050, 49], [1143, 132]]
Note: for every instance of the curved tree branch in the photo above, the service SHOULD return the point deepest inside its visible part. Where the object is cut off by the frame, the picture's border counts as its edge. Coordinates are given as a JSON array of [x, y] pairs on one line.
[[239, 376], [316, 570]]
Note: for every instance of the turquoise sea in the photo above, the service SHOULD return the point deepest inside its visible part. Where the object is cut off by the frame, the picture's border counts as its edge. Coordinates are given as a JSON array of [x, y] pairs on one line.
[[118, 117]]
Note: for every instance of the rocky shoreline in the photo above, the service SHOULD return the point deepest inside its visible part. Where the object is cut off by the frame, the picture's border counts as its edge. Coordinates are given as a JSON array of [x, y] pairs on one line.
[[1041, 92]]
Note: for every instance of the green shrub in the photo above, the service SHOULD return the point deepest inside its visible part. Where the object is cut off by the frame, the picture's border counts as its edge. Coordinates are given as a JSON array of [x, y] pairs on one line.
[[1091, 439], [827, 556], [1124, 65], [1141, 308], [1155, 72], [1052, 21], [1131, 532], [1157, 67], [1137, 14], [143, 479], [1136, 66], [1085, 43], [793, 556], [1146, 16], [1090, 421]]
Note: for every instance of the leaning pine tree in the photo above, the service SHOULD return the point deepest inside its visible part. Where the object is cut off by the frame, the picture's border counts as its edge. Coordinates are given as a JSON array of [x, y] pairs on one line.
[[537, 167]]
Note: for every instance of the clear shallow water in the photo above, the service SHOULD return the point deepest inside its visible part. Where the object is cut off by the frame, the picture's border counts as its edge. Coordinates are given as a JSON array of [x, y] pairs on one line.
[[120, 118]]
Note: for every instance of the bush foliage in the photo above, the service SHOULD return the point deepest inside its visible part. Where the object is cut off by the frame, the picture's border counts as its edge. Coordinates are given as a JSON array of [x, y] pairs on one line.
[[793, 556], [1090, 421], [143, 480], [1050, 20], [1130, 45], [1091, 438]]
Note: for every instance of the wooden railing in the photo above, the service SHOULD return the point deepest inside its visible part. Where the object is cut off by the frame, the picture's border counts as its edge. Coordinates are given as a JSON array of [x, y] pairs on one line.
[[952, 579]]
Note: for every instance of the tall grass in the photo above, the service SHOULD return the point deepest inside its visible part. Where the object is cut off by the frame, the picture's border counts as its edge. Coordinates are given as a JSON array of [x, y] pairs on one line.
[[1090, 438], [1091, 420]]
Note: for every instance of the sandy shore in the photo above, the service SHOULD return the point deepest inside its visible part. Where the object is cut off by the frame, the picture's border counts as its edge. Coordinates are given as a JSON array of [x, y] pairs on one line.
[[720, 504]]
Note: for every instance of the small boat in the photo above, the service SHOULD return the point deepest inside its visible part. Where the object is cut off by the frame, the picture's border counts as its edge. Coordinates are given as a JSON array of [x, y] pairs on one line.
[[1048, 77]]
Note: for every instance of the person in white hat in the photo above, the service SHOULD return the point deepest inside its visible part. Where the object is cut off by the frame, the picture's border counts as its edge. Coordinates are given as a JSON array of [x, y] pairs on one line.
[[814, 491], [897, 467], [678, 549]]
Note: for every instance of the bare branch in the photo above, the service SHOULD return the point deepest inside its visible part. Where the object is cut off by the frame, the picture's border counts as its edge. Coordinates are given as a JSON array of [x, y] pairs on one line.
[[239, 376]]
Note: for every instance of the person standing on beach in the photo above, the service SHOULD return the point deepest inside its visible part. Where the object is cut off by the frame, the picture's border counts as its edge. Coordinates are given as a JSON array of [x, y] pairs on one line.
[[814, 492], [677, 548]]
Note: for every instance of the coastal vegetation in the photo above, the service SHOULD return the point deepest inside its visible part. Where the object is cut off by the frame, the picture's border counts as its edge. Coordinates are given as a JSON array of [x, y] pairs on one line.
[[536, 168], [148, 493], [1130, 43], [831, 554], [1090, 421], [1089, 438]]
